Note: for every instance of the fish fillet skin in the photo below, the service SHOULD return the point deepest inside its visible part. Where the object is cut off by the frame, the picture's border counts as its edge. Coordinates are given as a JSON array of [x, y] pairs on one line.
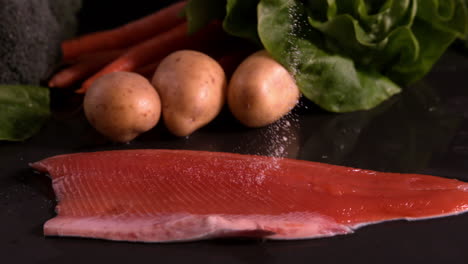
[[182, 195]]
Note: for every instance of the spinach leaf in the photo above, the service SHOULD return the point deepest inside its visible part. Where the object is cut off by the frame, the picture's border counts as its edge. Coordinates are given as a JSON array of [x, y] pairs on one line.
[[23, 111], [201, 12], [331, 81], [241, 19]]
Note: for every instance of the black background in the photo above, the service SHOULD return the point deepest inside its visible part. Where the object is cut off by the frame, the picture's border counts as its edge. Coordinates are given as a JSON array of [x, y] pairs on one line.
[[423, 130], [106, 14]]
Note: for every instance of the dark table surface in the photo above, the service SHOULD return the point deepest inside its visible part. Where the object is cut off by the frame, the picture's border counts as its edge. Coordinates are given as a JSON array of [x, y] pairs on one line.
[[423, 130]]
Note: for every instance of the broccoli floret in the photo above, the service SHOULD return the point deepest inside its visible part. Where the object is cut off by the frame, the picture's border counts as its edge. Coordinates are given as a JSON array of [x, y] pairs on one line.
[[30, 37]]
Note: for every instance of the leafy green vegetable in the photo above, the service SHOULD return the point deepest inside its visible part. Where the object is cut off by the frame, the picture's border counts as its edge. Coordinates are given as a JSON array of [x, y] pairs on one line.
[[401, 39], [331, 81], [445, 15], [349, 55], [241, 19], [23, 111], [432, 45], [200, 12]]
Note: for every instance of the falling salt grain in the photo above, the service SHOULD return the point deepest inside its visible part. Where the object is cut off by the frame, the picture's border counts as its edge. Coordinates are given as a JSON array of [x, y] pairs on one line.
[[260, 178], [294, 53]]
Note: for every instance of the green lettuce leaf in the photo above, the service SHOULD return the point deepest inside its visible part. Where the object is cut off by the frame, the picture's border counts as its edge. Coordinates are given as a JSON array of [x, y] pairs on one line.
[[445, 15], [23, 111], [201, 12], [379, 41], [432, 45], [400, 39], [331, 81], [241, 19]]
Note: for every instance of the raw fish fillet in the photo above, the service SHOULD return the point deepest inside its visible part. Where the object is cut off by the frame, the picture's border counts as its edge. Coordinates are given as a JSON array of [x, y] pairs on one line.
[[180, 195]]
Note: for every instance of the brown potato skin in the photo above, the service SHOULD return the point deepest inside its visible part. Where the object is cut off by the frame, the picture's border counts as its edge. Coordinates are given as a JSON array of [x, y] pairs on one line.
[[192, 87], [122, 105], [261, 91]]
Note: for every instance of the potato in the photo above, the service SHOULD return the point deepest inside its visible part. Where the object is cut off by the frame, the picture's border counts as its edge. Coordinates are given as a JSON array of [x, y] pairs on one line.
[[261, 91], [122, 105], [192, 87]]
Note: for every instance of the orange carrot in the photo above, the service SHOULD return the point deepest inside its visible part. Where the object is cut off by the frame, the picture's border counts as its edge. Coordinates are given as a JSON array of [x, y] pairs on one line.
[[83, 68], [157, 48], [111, 54], [126, 35]]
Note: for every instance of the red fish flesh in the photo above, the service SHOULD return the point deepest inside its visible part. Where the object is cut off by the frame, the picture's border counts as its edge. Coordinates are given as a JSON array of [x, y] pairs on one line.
[[180, 195]]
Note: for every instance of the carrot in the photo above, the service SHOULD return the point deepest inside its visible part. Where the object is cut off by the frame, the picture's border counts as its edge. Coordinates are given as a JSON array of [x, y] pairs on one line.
[[83, 68], [126, 35], [111, 54], [156, 48]]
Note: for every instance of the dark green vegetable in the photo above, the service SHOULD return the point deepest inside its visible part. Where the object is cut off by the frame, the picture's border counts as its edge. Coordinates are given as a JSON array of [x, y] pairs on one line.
[[349, 55], [401, 39], [200, 12], [331, 81], [23, 111], [241, 19]]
